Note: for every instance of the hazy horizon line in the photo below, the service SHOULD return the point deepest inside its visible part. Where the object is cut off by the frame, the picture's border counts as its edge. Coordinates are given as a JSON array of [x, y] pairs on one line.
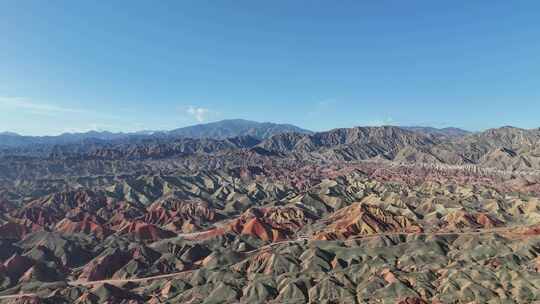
[[141, 131]]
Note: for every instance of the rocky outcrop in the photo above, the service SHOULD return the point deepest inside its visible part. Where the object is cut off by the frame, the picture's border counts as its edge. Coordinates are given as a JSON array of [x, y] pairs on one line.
[[145, 232], [271, 224], [105, 266], [361, 220]]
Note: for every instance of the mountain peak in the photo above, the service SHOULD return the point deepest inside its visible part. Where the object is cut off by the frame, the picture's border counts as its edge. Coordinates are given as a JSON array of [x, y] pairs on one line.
[[236, 127], [447, 131], [7, 133]]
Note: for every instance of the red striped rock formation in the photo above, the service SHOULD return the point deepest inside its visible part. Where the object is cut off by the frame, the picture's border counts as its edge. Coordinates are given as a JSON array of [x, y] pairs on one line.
[[144, 231], [360, 219]]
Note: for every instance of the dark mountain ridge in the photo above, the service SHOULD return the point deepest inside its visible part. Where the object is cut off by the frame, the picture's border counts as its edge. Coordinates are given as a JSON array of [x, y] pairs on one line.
[[449, 131], [215, 130], [236, 127], [505, 148]]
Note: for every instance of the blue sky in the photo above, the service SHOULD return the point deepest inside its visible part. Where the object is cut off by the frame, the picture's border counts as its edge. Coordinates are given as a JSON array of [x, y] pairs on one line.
[[132, 65]]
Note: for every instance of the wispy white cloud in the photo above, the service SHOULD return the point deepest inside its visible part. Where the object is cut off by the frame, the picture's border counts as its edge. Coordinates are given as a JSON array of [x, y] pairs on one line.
[[19, 103], [53, 119], [199, 113], [322, 107], [382, 122], [326, 103]]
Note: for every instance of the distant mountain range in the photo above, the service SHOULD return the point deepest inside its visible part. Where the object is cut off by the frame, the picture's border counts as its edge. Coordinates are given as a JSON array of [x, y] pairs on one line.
[[507, 147], [13, 140], [215, 130]]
